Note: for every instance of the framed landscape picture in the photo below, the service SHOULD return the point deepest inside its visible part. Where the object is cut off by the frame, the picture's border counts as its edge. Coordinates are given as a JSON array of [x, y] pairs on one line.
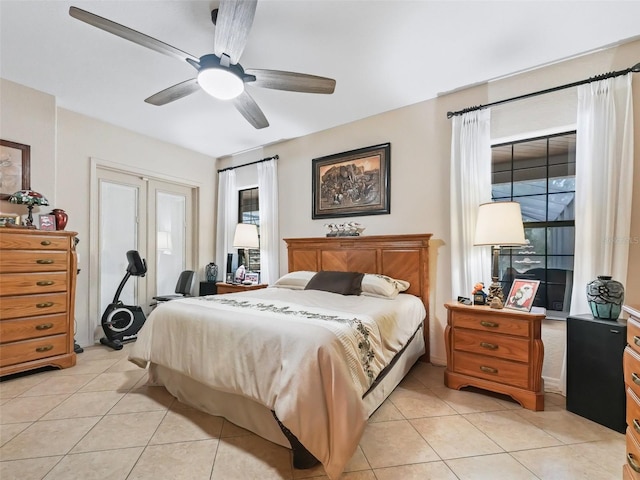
[[15, 160], [522, 294], [352, 183]]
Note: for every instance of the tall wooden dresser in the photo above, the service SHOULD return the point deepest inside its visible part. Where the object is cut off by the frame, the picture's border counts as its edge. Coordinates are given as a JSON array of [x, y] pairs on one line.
[[631, 361], [37, 298], [496, 350]]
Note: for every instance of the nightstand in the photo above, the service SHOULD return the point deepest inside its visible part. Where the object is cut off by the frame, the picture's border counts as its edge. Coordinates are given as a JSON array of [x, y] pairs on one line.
[[235, 288], [496, 350]]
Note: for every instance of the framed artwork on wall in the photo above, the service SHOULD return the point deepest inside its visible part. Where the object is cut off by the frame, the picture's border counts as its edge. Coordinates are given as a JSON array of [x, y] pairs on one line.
[[352, 183], [15, 164]]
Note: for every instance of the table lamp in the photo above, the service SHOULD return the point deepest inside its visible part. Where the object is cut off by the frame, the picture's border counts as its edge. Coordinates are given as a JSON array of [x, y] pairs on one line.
[[30, 199], [499, 225], [246, 237]]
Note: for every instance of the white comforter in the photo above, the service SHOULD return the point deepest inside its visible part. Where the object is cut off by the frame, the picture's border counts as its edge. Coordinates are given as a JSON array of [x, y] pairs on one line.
[[307, 355]]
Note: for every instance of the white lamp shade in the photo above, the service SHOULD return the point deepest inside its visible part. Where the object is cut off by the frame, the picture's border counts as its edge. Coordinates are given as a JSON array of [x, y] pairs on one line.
[[246, 236], [499, 224]]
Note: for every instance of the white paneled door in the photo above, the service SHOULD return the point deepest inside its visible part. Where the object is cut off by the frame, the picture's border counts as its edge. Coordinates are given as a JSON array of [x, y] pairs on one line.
[[152, 216]]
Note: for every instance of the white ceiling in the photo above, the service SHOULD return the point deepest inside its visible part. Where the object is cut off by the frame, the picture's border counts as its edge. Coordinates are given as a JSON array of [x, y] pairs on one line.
[[383, 55]]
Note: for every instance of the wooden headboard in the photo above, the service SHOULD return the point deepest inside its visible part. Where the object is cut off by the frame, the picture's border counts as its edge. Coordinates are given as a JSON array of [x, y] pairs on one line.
[[405, 257]]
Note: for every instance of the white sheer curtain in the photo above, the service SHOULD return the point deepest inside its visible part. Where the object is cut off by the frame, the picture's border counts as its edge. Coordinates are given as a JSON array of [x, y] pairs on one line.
[[470, 186], [604, 174], [269, 234], [604, 183], [227, 218]]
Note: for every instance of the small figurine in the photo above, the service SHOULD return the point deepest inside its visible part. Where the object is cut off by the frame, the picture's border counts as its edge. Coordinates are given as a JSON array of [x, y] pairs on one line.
[[479, 295]]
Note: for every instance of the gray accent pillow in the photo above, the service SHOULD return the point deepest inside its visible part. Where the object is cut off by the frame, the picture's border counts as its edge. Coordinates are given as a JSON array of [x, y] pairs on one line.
[[344, 283]]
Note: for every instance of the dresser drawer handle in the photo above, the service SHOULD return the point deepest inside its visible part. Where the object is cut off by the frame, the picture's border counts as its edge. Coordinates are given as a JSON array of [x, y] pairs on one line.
[[46, 261], [45, 242], [44, 283], [46, 348], [632, 463], [488, 369], [636, 425], [44, 326], [489, 346], [636, 340], [635, 378], [489, 324], [44, 305]]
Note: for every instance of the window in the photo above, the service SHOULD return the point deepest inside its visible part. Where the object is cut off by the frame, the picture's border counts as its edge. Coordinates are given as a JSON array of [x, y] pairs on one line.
[[539, 174], [249, 212]]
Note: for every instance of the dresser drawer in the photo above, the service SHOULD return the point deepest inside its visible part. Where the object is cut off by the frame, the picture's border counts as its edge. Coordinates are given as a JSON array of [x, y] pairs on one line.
[[491, 344], [631, 366], [633, 334], [17, 261], [491, 368], [27, 283], [28, 350], [34, 242], [491, 323], [633, 455], [32, 327], [32, 305]]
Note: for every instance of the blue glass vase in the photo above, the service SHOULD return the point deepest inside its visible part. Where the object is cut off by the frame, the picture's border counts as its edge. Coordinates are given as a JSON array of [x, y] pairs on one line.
[[605, 297]]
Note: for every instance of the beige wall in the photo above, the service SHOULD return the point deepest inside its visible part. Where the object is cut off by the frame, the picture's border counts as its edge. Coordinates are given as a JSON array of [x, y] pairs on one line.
[[420, 137], [63, 143]]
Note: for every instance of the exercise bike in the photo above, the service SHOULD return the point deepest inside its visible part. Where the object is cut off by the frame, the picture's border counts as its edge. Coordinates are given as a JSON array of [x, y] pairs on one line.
[[120, 322]]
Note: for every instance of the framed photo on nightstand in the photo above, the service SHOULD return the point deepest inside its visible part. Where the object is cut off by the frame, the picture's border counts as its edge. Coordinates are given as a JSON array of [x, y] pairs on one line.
[[522, 294], [47, 222]]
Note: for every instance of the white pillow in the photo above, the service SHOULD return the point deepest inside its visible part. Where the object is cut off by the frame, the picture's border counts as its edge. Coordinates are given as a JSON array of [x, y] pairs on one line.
[[294, 280], [382, 286]]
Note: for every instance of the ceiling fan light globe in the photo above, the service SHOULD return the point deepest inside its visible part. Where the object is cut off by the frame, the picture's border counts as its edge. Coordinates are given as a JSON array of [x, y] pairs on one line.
[[220, 83]]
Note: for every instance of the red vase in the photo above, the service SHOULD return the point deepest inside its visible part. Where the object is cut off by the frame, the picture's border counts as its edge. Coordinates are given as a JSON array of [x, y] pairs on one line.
[[61, 218]]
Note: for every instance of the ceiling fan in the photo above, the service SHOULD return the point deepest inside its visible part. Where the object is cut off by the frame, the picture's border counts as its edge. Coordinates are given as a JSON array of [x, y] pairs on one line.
[[219, 73]]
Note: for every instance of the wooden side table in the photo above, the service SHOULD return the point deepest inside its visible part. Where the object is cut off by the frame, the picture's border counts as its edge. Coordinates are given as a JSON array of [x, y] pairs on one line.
[[234, 287], [496, 350]]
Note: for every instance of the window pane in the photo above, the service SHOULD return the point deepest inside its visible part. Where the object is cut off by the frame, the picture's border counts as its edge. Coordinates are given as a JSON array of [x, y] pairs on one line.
[[560, 240]]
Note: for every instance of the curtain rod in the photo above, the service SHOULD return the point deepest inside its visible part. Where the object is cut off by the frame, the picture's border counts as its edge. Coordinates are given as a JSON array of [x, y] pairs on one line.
[[275, 157], [634, 69]]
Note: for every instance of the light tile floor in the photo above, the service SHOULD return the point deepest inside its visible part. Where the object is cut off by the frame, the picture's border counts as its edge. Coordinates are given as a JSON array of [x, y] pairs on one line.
[[98, 420]]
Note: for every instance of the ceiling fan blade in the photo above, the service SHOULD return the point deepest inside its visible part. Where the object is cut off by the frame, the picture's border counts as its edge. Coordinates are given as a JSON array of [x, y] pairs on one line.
[[291, 81], [233, 24], [129, 34], [250, 110], [176, 92]]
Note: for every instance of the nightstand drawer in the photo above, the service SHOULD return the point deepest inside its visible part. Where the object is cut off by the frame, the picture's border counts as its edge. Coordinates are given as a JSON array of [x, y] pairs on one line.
[[633, 413], [631, 365], [633, 455], [633, 334], [31, 240], [26, 283], [494, 345], [30, 305], [494, 369], [19, 352], [31, 261], [491, 323], [25, 328]]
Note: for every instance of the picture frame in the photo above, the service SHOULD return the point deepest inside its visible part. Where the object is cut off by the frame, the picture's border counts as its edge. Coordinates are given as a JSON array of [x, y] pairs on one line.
[[252, 278], [352, 183], [9, 218], [15, 168], [522, 294], [47, 222]]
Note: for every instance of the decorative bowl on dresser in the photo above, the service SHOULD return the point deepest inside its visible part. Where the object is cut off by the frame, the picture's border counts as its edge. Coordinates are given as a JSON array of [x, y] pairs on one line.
[[497, 350], [37, 299], [631, 362]]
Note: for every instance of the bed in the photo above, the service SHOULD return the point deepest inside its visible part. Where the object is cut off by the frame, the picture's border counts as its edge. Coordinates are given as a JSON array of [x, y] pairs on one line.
[[302, 367]]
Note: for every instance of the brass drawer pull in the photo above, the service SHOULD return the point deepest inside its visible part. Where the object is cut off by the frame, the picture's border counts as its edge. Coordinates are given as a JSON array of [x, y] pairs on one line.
[[635, 378], [484, 323], [44, 326], [632, 463], [488, 369], [46, 261], [46, 348], [636, 425], [44, 305], [636, 340], [489, 346], [45, 242], [44, 283]]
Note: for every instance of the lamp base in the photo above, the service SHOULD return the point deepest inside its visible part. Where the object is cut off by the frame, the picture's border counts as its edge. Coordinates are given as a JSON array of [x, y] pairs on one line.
[[495, 298]]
